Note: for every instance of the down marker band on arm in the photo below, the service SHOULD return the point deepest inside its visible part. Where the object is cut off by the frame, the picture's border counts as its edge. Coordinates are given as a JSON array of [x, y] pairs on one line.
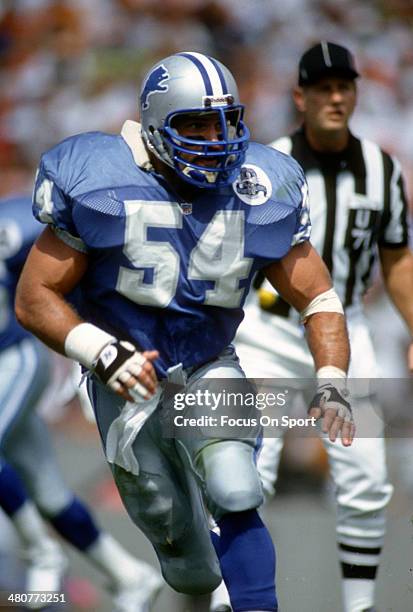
[[85, 342]]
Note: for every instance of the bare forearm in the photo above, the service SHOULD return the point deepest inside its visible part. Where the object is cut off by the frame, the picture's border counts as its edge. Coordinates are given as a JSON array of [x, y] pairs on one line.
[[328, 341], [52, 270], [47, 315], [398, 279]]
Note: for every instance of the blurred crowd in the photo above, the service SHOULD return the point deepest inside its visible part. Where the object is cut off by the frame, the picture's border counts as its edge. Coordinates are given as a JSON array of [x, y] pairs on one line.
[[68, 66]]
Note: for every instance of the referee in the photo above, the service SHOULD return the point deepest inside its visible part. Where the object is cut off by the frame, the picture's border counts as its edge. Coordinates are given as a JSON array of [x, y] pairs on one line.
[[359, 212]]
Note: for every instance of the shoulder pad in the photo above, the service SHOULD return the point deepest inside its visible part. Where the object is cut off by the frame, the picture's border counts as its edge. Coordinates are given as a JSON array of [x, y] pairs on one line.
[[270, 184], [283, 144], [89, 161]]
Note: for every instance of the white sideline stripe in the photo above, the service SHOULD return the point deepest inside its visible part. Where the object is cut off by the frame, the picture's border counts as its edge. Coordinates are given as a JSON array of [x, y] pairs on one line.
[[14, 391], [212, 73]]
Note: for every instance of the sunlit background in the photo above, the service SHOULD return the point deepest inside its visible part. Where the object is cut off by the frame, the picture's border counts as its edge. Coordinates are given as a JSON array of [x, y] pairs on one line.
[[69, 66]]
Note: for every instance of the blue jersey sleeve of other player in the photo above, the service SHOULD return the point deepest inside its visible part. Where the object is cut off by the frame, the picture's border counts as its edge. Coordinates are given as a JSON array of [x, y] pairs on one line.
[[18, 231]]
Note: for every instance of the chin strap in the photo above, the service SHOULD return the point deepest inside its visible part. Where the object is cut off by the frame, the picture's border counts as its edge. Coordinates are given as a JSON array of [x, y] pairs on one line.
[[200, 175]]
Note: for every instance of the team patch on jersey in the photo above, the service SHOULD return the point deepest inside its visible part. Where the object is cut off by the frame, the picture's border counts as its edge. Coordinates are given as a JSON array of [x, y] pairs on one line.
[[155, 83], [252, 185]]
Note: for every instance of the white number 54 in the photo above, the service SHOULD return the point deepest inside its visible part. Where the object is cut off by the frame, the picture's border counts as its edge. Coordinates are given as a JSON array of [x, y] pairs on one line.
[[218, 256]]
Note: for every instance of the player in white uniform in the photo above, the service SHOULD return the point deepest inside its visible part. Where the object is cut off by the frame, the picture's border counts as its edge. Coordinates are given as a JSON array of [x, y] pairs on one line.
[[358, 211]]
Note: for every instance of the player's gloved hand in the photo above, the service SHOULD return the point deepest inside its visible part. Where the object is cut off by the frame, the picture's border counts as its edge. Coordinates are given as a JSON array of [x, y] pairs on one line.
[[331, 404], [127, 371]]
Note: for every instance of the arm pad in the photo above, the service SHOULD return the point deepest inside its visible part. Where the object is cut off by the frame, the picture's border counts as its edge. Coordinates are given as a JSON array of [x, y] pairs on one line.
[[328, 301]]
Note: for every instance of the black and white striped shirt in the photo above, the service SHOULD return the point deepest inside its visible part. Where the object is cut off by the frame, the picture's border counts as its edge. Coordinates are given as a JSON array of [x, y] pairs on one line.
[[357, 203]]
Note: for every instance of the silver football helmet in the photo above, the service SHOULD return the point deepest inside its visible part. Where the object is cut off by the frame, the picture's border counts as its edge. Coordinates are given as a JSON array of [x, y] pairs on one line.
[[184, 84]]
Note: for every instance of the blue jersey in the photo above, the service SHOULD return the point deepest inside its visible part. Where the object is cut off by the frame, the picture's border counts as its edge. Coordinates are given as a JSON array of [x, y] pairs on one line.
[[166, 274], [18, 231]]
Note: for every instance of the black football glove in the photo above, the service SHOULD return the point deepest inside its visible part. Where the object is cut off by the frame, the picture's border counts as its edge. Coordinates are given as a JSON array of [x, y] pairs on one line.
[[331, 404], [116, 363], [333, 396]]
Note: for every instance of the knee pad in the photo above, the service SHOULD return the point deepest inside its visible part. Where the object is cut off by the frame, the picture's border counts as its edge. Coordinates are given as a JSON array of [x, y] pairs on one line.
[[148, 504], [176, 528], [230, 476], [190, 565]]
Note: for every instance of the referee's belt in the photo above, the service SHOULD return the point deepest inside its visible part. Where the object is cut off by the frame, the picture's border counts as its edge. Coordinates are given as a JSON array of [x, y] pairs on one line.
[[273, 303]]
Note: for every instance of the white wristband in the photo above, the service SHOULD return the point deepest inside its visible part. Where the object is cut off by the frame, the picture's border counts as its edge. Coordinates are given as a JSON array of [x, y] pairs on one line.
[[331, 372], [84, 343]]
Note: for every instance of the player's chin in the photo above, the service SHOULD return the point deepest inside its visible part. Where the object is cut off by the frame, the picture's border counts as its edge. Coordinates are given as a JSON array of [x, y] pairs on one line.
[[334, 124]]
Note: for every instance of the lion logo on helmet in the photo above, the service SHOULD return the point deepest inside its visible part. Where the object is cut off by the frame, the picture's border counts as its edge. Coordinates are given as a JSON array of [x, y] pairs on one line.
[[155, 83]]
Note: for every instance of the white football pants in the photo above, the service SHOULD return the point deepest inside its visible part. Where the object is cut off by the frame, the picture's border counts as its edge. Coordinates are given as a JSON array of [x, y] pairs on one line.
[[273, 347]]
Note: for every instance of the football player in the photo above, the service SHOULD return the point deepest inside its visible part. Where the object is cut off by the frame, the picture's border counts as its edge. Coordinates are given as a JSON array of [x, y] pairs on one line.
[[162, 228], [31, 485]]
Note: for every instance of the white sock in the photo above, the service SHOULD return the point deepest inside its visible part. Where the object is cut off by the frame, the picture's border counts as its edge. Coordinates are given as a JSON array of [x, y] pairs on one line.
[[358, 594], [220, 597], [114, 560], [29, 525]]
